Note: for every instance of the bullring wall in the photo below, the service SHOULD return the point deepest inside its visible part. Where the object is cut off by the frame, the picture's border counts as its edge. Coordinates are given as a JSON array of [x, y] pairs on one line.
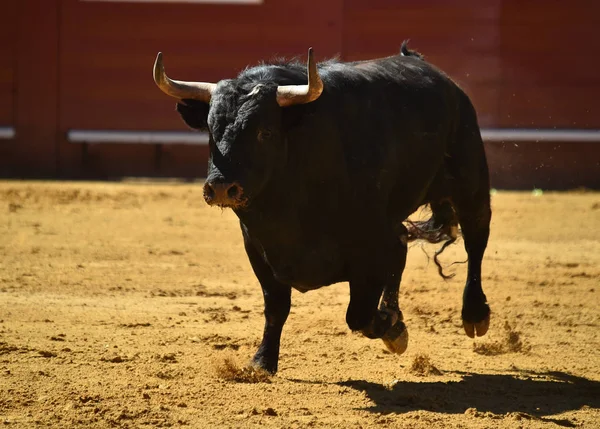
[[72, 66]]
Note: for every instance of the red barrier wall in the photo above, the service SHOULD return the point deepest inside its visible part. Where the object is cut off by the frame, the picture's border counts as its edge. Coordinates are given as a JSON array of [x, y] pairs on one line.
[[70, 64]]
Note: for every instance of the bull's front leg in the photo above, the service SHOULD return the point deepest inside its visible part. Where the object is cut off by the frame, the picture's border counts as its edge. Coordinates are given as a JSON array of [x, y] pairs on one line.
[[396, 338], [277, 298], [277, 308], [366, 291]]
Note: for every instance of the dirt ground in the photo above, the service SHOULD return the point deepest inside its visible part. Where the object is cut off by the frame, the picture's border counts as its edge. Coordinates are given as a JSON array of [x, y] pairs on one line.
[[122, 303]]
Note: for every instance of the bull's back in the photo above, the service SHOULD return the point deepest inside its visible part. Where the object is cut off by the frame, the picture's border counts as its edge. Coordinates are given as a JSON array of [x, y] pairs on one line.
[[395, 118]]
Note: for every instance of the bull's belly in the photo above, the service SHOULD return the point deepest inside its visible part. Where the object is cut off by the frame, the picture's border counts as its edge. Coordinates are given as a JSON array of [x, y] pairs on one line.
[[306, 267]]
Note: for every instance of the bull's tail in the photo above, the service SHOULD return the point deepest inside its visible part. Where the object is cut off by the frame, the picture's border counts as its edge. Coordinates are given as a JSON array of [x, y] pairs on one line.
[[442, 226]]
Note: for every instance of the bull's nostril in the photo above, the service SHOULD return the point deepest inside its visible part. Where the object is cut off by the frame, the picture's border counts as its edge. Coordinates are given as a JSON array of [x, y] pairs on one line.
[[233, 192], [223, 194], [209, 192]]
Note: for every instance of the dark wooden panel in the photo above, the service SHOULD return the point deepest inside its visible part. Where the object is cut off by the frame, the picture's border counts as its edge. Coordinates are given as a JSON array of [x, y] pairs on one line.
[[183, 161], [528, 165], [106, 75], [34, 152], [544, 106], [111, 161], [547, 69], [564, 40], [485, 100], [550, 56], [407, 11], [8, 42], [552, 13], [450, 29], [461, 38]]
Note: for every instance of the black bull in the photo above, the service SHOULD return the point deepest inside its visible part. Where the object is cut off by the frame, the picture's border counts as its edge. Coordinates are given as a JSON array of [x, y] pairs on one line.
[[324, 175]]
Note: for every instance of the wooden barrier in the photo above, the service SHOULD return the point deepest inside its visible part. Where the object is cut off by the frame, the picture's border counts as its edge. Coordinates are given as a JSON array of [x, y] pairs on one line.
[[73, 71]]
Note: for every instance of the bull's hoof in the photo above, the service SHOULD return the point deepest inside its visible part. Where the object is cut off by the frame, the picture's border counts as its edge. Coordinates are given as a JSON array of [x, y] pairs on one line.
[[479, 328], [476, 316], [264, 363], [396, 338]]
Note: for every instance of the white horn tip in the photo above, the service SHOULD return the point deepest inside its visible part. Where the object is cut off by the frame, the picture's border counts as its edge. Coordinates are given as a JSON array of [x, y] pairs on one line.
[[158, 68], [158, 61]]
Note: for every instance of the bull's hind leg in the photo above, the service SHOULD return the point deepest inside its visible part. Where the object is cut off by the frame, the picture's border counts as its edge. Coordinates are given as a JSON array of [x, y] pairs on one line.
[[474, 215], [470, 186]]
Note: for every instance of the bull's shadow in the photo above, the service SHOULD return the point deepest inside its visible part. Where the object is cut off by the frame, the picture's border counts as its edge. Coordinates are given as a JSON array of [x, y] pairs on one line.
[[536, 394]]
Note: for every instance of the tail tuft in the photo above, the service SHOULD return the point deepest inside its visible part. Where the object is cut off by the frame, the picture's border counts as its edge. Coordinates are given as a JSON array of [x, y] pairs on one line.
[[441, 226]]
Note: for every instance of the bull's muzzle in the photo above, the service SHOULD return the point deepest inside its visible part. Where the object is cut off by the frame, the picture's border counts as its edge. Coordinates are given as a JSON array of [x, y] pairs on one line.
[[224, 194]]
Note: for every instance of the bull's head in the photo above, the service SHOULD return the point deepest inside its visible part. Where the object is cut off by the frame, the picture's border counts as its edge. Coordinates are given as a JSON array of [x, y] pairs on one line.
[[244, 121]]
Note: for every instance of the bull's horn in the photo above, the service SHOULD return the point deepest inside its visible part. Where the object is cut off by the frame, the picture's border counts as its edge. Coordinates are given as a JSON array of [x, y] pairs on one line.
[[288, 95], [179, 89]]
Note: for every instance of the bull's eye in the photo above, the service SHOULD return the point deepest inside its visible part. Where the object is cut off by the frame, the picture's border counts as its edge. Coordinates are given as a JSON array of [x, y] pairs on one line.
[[263, 135]]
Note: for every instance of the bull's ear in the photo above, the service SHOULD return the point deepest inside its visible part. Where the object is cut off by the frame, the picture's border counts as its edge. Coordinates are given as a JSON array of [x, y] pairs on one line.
[[194, 113]]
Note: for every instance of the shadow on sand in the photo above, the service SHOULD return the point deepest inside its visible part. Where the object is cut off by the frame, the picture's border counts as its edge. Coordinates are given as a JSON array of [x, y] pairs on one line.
[[532, 395]]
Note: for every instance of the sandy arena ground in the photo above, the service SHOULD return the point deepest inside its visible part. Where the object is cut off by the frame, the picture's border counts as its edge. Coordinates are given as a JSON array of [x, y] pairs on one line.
[[121, 303]]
